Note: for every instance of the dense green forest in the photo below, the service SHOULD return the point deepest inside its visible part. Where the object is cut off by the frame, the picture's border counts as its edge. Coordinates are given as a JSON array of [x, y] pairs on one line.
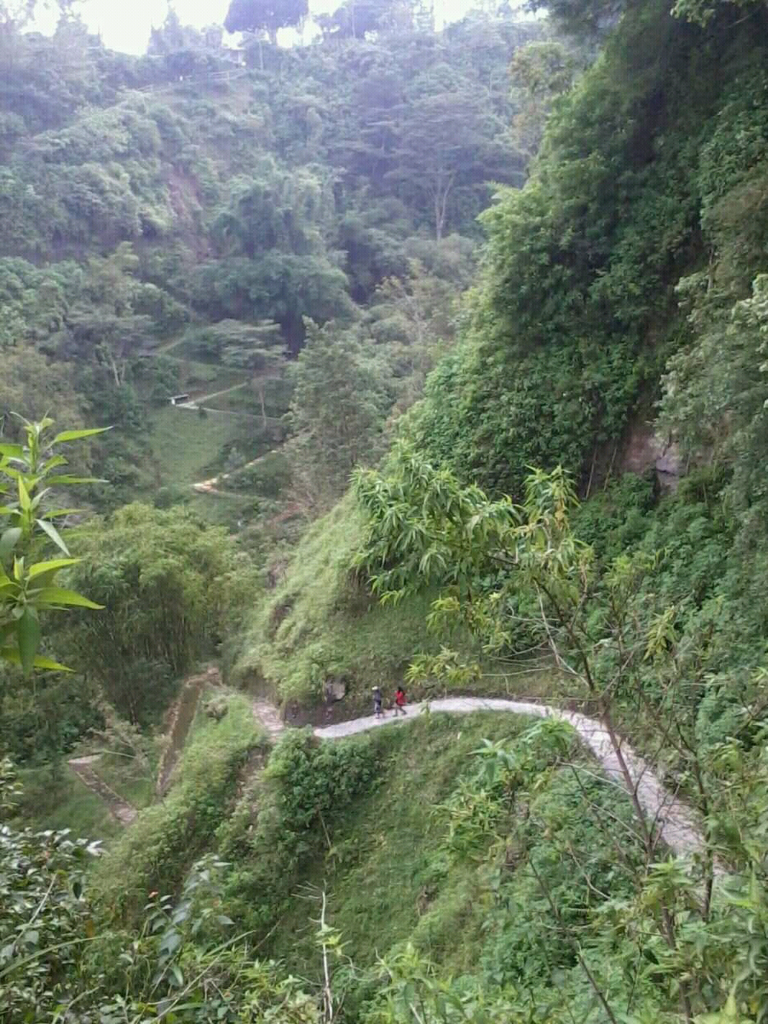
[[400, 357]]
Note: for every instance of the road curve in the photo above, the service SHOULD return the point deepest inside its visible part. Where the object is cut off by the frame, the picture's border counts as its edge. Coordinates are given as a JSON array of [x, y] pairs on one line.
[[674, 821]]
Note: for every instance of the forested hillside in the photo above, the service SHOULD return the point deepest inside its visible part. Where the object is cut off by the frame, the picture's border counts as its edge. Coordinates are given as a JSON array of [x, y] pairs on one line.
[[171, 222], [465, 335]]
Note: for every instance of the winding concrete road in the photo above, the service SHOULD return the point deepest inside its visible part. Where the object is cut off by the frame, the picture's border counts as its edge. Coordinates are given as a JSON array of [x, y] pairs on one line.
[[674, 822]]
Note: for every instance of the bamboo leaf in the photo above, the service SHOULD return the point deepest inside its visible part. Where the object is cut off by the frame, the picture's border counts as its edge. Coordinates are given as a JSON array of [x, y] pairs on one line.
[[54, 534], [58, 596], [69, 480], [57, 460], [12, 655], [55, 564], [8, 541], [24, 499], [28, 639], [76, 435], [59, 513]]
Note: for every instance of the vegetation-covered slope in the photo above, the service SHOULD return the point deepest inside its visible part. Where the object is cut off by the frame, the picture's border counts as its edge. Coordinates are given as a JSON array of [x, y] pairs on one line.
[[180, 197], [650, 171], [318, 208]]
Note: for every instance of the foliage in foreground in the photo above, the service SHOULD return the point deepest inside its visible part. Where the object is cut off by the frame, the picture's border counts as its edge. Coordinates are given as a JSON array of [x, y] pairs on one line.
[[519, 902], [28, 526], [618, 635]]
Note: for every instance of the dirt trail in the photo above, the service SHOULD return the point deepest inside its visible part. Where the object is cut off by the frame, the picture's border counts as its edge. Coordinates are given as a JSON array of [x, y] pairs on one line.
[[181, 721], [207, 398], [675, 823], [210, 486], [120, 809]]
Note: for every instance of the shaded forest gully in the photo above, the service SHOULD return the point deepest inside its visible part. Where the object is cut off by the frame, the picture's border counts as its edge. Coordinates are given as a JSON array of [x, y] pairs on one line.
[[344, 352]]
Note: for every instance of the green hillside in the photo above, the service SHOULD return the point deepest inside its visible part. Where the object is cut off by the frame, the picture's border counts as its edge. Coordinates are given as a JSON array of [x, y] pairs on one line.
[[471, 324]]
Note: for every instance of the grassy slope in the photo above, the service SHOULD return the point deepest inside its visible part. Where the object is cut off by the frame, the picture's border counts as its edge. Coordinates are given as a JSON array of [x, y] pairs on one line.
[[186, 445], [168, 837], [385, 863], [392, 877], [318, 624], [62, 801], [59, 799]]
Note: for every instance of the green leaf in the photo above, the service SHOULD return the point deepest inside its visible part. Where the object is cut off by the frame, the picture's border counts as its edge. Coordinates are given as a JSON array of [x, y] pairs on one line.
[[57, 460], [12, 655], [54, 534], [12, 451], [8, 541], [24, 499], [170, 942], [52, 566], [28, 639], [75, 435], [76, 480], [56, 596], [59, 513]]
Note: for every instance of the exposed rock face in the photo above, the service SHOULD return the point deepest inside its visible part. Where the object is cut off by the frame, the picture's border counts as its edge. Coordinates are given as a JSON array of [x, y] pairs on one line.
[[335, 689], [644, 450], [670, 467]]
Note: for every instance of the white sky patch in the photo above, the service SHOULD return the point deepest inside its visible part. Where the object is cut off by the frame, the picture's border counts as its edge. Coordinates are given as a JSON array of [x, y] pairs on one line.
[[126, 24]]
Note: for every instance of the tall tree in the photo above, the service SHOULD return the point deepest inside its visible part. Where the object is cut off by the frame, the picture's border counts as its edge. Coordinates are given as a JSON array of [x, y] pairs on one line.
[[449, 140], [338, 406], [357, 17], [161, 579], [539, 73], [264, 15]]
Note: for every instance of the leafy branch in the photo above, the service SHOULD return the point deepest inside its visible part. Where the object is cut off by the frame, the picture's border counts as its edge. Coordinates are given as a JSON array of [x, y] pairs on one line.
[[28, 582]]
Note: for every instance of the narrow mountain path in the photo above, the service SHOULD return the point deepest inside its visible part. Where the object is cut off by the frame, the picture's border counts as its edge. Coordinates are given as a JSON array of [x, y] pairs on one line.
[[214, 394], [675, 822], [181, 721], [210, 486], [120, 809]]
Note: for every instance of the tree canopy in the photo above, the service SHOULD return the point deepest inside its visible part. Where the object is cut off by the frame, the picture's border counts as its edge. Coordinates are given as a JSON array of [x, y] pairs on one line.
[[264, 15]]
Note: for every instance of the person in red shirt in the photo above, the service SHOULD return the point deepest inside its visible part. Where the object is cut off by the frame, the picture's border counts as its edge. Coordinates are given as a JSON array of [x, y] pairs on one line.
[[400, 701]]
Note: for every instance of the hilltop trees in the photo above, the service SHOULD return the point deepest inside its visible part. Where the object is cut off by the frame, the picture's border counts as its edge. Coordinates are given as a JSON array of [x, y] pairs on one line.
[[264, 15], [465, 149]]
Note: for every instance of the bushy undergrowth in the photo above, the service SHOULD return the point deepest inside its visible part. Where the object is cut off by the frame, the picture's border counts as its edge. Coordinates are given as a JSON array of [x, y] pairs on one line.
[[284, 820], [435, 837]]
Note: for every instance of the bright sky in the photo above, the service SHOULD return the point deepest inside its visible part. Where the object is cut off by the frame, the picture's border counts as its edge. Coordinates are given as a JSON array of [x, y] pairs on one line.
[[125, 24]]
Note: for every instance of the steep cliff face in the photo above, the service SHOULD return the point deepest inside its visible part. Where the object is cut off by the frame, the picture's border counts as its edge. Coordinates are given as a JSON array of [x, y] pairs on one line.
[[642, 201]]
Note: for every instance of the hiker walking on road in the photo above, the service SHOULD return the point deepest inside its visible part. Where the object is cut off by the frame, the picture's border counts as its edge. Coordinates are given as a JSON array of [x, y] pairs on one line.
[[400, 701], [377, 712]]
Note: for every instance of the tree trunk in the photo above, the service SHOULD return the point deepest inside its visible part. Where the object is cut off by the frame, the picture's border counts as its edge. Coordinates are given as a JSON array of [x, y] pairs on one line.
[[260, 389]]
